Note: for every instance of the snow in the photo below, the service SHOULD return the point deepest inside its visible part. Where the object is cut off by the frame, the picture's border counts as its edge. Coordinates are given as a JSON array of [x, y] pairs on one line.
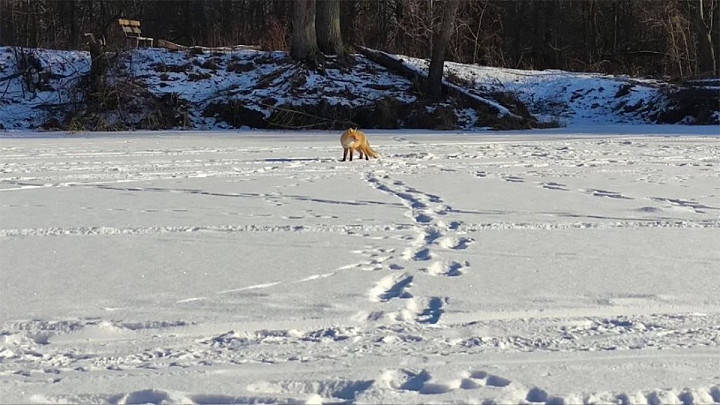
[[261, 80], [21, 108], [269, 82], [261, 88], [573, 265], [568, 98]]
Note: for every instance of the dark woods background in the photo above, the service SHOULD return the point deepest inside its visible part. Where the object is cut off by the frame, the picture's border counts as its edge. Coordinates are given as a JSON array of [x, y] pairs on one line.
[[669, 38]]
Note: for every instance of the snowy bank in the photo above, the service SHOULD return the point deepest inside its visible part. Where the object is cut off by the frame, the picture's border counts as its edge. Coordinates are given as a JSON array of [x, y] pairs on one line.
[[157, 88]]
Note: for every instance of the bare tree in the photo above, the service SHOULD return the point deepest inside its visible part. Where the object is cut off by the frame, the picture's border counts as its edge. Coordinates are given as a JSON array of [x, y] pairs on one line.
[[661, 37], [98, 64], [327, 25], [304, 39], [437, 62], [703, 17]]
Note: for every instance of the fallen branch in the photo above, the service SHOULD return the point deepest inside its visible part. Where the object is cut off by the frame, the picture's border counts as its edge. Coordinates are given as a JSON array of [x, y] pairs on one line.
[[481, 104], [12, 76]]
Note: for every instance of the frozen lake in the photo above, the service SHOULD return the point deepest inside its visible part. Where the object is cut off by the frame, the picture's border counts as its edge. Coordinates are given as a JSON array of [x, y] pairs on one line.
[[555, 266]]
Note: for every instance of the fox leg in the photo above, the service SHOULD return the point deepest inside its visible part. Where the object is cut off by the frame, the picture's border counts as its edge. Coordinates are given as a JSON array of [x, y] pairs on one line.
[[352, 152], [366, 155], [360, 152], [345, 151]]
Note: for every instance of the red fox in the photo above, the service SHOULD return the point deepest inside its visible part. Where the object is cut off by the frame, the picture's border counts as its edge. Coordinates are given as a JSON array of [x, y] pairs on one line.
[[353, 139]]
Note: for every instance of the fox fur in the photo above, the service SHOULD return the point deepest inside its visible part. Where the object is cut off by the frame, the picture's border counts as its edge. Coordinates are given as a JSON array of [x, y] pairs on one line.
[[353, 139]]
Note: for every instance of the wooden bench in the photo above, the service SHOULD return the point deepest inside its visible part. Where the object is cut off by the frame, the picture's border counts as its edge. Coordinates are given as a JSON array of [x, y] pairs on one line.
[[131, 29]]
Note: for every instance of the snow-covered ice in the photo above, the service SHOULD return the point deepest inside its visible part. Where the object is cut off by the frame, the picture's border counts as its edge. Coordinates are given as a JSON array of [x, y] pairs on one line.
[[556, 266]]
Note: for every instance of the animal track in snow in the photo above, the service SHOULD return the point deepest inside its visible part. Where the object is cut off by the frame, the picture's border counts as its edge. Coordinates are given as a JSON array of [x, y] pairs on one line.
[[422, 254], [604, 193], [423, 218], [679, 202], [406, 380], [554, 186], [454, 243], [514, 179], [431, 233], [427, 383], [375, 260], [392, 286], [424, 207], [452, 268], [428, 310], [333, 389], [478, 378], [498, 389]]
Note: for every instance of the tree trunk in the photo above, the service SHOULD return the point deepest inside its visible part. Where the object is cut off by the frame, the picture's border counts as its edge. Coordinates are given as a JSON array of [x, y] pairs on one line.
[[304, 40], [98, 64], [437, 63], [488, 110], [327, 24], [74, 37], [198, 22], [349, 16], [2, 20], [703, 13]]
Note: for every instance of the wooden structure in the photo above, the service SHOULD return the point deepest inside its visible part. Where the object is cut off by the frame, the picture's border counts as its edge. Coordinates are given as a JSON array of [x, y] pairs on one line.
[[131, 29]]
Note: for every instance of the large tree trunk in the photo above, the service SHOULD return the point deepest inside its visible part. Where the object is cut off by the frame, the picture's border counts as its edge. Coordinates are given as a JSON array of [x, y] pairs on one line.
[[327, 24], [703, 17], [98, 65], [304, 40], [437, 63]]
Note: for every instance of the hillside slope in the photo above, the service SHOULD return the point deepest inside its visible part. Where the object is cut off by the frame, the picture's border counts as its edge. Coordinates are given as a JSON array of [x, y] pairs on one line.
[[156, 88]]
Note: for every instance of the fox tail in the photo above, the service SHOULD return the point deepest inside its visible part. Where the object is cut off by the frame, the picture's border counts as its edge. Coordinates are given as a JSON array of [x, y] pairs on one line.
[[370, 152]]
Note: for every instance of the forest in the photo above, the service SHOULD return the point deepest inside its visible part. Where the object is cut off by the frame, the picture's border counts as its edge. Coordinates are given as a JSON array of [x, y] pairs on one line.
[[670, 39]]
